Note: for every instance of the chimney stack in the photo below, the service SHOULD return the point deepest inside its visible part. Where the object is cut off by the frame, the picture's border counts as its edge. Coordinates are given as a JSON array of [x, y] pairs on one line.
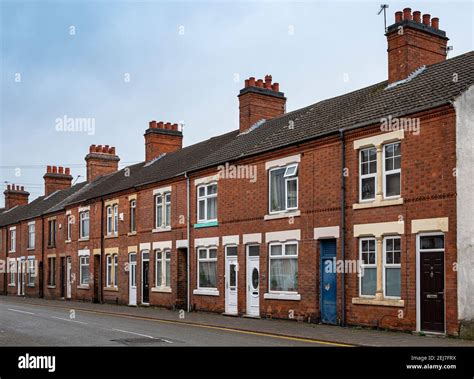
[[15, 195], [101, 160], [413, 41], [259, 100], [56, 178], [161, 138]]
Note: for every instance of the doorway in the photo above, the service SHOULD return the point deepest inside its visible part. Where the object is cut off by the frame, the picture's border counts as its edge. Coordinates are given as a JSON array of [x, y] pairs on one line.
[[231, 268], [68, 277], [62, 276], [431, 296], [253, 280], [132, 279], [96, 278], [145, 279], [328, 282]]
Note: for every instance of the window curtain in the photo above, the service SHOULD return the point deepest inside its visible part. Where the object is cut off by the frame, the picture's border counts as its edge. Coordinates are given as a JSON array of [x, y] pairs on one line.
[[212, 208], [208, 274], [283, 274], [277, 190]]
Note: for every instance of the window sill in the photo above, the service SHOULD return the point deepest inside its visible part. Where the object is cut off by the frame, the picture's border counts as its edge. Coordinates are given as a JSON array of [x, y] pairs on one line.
[[161, 230], [111, 236], [51, 287], [83, 287], [131, 233], [112, 289], [30, 285], [67, 241], [205, 224], [381, 302], [161, 289], [282, 215], [11, 251], [11, 285], [51, 246], [282, 296], [30, 248], [83, 239], [206, 292], [378, 203]]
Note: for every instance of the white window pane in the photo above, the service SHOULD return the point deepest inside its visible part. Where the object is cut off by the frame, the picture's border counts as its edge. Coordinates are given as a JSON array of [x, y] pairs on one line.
[[392, 184], [292, 193], [290, 249], [283, 274], [212, 189], [277, 190], [202, 254], [202, 191], [369, 281], [275, 250], [168, 215], [392, 282], [202, 209], [212, 253], [291, 170], [208, 274], [212, 208], [159, 216], [168, 273], [368, 188]]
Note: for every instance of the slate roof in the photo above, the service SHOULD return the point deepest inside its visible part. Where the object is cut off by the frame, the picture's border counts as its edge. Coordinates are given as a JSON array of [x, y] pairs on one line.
[[430, 88]]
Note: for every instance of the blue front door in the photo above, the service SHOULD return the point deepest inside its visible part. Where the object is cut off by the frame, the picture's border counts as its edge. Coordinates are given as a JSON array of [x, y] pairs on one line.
[[328, 281]]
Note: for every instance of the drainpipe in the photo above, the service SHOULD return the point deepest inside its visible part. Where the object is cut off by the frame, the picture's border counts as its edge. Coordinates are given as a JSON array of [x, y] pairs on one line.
[[101, 289], [41, 278], [188, 237], [343, 225]]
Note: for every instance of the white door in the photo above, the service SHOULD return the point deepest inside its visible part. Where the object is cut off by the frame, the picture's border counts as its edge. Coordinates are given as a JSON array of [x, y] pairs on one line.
[[231, 269], [132, 279], [253, 280], [68, 277]]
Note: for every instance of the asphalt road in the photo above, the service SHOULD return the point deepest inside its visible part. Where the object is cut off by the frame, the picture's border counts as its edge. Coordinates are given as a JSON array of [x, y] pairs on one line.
[[36, 325]]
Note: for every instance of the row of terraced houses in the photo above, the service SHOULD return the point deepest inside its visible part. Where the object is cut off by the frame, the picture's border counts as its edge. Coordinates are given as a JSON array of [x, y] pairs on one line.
[[355, 210]]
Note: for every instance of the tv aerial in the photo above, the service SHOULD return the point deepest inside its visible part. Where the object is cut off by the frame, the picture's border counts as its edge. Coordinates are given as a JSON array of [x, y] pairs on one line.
[[383, 8]]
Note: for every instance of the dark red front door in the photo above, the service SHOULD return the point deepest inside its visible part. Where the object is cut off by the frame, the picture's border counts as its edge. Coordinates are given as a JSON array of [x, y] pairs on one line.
[[432, 291]]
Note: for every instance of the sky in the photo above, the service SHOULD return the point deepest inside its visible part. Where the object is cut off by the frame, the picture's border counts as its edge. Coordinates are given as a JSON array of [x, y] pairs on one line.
[[121, 64]]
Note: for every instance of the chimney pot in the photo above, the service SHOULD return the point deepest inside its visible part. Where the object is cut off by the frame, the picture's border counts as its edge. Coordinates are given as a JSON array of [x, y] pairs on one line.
[[417, 16], [276, 87], [168, 126], [160, 125], [22, 188], [61, 170], [8, 187], [91, 148], [55, 169], [152, 124], [435, 22], [268, 81], [426, 19], [67, 171], [48, 168], [98, 148], [251, 81], [259, 83], [398, 17], [246, 83], [407, 14], [105, 149], [112, 150]]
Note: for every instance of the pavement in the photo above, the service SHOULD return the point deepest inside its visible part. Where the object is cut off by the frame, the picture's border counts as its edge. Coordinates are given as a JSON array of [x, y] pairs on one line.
[[40, 322]]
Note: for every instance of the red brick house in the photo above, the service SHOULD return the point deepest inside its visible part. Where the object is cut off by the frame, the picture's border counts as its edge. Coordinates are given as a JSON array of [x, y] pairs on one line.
[[355, 210]]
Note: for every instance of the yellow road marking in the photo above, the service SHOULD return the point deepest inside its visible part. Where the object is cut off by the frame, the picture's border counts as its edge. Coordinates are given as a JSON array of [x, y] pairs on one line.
[[223, 328]]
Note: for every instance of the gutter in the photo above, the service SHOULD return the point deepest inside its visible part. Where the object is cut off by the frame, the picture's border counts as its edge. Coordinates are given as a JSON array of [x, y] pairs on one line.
[[343, 226]]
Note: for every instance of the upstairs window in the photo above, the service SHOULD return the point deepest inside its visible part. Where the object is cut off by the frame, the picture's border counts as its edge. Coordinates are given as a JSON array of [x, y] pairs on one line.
[[84, 224], [283, 187], [51, 233], [31, 236], [70, 221], [163, 210], [392, 170], [112, 219], [207, 202], [12, 240], [133, 215], [368, 174]]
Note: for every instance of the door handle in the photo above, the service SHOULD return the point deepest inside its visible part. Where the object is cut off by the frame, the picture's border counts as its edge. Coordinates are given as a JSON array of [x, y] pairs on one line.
[[431, 296]]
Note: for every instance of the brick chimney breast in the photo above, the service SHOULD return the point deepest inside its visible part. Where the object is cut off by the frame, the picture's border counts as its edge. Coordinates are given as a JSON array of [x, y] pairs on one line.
[[101, 160], [15, 195], [413, 41], [56, 179], [162, 138], [260, 99]]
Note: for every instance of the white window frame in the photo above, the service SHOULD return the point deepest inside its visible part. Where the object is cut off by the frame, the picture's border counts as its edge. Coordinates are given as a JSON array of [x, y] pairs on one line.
[[287, 177], [109, 270], [283, 256], [12, 271], [133, 216], [371, 265], [206, 198], [31, 272], [31, 235], [51, 233], [82, 264], [115, 219], [207, 259], [69, 223], [391, 265], [111, 212], [368, 176], [163, 211], [116, 270], [385, 172], [12, 240], [83, 216], [162, 262]]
